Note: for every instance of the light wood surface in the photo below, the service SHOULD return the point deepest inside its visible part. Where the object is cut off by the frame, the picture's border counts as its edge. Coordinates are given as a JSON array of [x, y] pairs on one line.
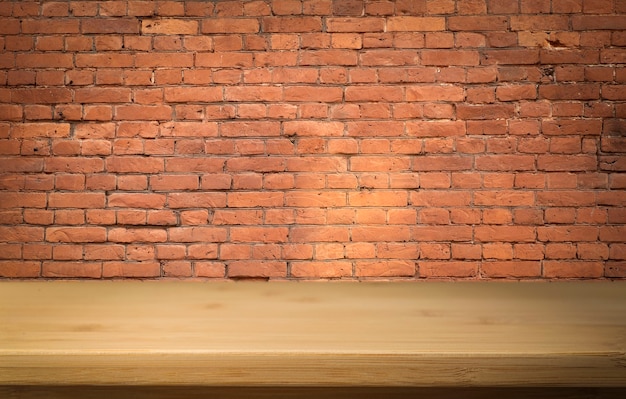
[[327, 334]]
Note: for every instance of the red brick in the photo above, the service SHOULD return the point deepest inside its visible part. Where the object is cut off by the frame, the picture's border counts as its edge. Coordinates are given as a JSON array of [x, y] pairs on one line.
[[169, 252], [475, 23], [317, 164], [442, 162], [514, 269], [196, 200], [514, 93], [313, 128], [47, 26], [257, 269], [615, 269], [465, 251], [572, 127], [131, 217], [505, 162], [76, 200], [595, 22], [258, 234], [136, 200], [373, 94], [612, 233], [209, 269], [72, 269], [291, 24], [193, 94], [42, 217], [12, 165], [306, 234], [397, 250], [11, 26], [450, 57], [570, 91], [375, 128], [572, 269], [75, 234], [20, 269], [67, 252], [486, 111], [504, 233], [188, 165], [435, 93], [315, 199], [385, 268], [230, 25], [253, 199], [441, 233], [10, 217], [249, 129], [567, 233], [353, 25], [613, 56], [378, 198], [104, 252], [436, 128], [224, 59], [174, 182], [435, 251], [447, 269], [143, 112], [10, 251], [131, 269], [110, 25], [179, 269], [168, 27], [507, 57], [132, 164], [342, 57], [497, 251], [415, 24], [135, 235], [383, 164], [504, 198], [41, 95], [334, 269]]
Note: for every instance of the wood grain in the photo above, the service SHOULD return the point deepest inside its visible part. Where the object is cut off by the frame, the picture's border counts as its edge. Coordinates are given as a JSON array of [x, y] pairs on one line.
[[299, 334]]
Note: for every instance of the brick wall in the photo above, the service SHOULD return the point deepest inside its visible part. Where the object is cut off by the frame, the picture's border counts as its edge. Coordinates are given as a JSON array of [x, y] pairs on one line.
[[313, 139]]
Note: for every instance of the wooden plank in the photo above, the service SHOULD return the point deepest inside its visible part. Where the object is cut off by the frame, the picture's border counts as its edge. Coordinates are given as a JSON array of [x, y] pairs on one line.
[[416, 334], [201, 392]]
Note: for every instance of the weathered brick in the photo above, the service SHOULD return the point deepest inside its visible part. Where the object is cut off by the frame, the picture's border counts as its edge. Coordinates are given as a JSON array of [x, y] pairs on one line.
[[110, 25], [450, 57], [230, 25], [131, 269], [292, 24], [196, 200], [76, 234], [511, 269], [572, 269], [390, 268], [71, 269], [454, 269], [257, 269], [312, 269], [349, 138], [478, 23], [169, 26], [415, 24], [20, 269]]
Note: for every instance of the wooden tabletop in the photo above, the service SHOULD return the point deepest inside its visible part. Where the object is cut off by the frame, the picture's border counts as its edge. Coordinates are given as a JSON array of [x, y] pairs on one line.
[[313, 333]]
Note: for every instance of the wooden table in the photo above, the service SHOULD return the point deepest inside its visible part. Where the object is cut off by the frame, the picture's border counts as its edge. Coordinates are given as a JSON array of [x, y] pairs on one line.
[[311, 339]]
